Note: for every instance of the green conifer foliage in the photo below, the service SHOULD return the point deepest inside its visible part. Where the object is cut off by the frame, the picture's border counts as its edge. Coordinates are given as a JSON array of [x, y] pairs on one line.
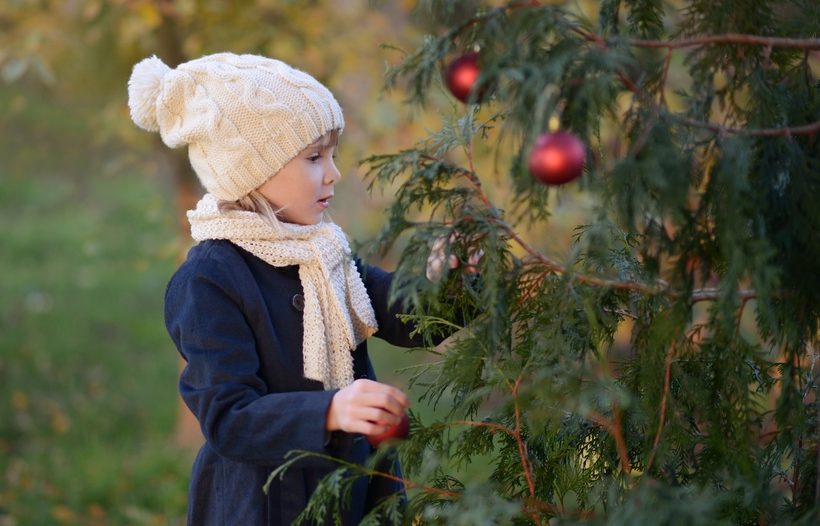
[[705, 216]]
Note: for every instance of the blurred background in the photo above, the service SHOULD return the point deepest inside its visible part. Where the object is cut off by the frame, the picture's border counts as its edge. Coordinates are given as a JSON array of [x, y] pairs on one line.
[[92, 215]]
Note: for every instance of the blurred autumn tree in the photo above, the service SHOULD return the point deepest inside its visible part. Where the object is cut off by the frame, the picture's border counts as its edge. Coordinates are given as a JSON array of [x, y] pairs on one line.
[[83, 51]]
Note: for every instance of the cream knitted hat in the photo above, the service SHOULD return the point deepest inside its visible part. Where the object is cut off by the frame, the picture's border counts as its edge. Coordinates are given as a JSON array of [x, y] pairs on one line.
[[243, 117]]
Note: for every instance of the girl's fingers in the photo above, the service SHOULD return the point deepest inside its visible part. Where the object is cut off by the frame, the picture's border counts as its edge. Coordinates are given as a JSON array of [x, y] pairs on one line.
[[366, 427], [381, 395], [378, 416], [366, 407], [437, 259], [376, 407]]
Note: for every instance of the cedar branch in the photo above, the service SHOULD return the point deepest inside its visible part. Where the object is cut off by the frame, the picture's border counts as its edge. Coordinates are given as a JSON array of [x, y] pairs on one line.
[[741, 39], [615, 430], [660, 287], [522, 447], [670, 354], [727, 38], [806, 129]]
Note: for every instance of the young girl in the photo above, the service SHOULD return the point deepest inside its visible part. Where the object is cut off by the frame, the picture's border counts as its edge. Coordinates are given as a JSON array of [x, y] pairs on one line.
[[269, 310]]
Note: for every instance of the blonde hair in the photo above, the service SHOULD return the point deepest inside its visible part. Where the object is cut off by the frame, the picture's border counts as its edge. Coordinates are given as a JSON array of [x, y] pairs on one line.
[[252, 202], [258, 203]]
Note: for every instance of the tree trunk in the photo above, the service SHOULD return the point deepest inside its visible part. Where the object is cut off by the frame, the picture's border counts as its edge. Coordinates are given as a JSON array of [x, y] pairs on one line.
[[187, 432], [187, 192]]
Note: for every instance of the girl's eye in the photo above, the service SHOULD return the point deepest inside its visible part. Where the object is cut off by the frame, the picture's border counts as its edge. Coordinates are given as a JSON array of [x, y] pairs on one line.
[[315, 157]]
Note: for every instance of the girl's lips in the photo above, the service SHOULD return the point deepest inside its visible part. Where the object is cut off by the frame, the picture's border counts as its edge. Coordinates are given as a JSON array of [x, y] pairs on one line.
[[325, 201]]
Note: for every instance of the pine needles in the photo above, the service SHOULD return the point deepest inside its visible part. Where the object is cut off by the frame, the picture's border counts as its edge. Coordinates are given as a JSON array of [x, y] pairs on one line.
[[703, 248]]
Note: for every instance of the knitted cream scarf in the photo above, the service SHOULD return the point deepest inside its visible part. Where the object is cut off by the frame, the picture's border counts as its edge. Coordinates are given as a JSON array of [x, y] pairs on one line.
[[337, 315]]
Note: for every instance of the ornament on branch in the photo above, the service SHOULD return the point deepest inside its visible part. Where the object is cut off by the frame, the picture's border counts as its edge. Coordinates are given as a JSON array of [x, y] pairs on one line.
[[398, 431], [557, 158], [461, 76]]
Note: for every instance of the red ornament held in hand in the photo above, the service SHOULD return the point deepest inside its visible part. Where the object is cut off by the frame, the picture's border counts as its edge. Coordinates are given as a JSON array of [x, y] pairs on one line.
[[461, 76], [557, 158], [400, 431]]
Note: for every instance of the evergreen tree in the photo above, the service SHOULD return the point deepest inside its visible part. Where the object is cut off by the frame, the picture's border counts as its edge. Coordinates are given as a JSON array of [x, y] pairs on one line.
[[702, 239]]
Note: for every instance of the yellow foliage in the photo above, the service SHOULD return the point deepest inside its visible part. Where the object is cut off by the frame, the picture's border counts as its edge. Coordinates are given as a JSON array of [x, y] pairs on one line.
[[63, 514], [19, 400], [149, 15]]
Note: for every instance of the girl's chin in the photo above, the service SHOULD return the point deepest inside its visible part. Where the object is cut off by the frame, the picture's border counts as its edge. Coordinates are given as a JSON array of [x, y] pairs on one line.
[[304, 221]]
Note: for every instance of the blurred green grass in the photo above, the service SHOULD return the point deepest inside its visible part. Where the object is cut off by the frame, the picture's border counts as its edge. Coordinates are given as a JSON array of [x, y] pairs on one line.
[[87, 373]]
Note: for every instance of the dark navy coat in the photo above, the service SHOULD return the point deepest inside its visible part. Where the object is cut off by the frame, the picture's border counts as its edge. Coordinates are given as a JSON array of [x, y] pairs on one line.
[[237, 322]]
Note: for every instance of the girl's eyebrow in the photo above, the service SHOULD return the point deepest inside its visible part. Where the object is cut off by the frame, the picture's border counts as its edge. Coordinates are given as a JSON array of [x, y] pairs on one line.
[[318, 148], [312, 149]]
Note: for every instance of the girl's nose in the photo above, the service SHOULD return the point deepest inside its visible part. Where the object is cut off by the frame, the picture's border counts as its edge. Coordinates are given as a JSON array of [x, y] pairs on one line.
[[332, 174]]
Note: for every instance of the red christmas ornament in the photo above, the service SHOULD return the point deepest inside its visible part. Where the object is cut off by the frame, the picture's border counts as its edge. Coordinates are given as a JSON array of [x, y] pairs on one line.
[[400, 431], [557, 158], [461, 76]]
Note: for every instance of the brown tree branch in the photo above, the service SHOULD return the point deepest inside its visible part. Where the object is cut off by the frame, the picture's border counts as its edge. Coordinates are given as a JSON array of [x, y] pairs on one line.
[[743, 302], [806, 129], [711, 294], [670, 355], [364, 471], [667, 61], [741, 39], [615, 430], [726, 38], [412, 485], [522, 447], [531, 501]]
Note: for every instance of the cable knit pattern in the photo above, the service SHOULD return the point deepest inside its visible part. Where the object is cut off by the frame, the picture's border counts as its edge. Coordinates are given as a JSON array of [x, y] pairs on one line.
[[338, 314], [243, 117]]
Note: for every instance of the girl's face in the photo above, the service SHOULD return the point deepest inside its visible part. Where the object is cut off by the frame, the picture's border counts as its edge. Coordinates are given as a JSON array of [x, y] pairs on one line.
[[301, 191]]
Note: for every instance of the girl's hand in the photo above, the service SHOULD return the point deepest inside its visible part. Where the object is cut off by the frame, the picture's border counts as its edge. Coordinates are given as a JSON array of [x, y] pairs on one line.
[[366, 407], [436, 259]]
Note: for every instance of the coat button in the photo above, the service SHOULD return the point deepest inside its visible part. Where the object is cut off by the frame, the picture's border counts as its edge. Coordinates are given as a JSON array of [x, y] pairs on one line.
[[298, 302]]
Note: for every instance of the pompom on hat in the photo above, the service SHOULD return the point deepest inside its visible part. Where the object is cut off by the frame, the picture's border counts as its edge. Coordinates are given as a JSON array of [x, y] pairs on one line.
[[242, 117]]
